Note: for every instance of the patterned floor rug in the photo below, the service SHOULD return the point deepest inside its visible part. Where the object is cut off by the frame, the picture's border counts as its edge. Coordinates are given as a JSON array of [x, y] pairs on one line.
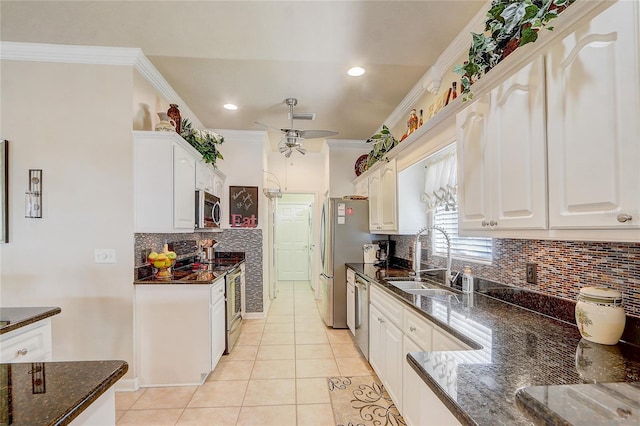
[[362, 401]]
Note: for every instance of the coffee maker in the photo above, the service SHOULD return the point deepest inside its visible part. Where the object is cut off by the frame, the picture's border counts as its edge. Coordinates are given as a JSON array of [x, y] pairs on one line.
[[382, 254]]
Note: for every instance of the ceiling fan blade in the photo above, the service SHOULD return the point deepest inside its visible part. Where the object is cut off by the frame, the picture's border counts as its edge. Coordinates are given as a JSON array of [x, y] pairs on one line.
[[313, 134], [266, 126]]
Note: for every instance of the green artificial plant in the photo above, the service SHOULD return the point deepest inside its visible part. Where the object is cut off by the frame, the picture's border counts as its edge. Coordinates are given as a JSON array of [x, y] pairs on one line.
[[382, 141], [509, 25], [204, 141]]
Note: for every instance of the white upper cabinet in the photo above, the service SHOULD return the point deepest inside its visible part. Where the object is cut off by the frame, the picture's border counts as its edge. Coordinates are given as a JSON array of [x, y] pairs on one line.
[[164, 181], [389, 196], [383, 199], [205, 177], [518, 150], [501, 155], [593, 122], [474, 194], [184, 176]]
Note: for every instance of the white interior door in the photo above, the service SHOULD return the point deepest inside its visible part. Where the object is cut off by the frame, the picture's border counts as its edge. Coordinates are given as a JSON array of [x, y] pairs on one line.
[[292, 242]]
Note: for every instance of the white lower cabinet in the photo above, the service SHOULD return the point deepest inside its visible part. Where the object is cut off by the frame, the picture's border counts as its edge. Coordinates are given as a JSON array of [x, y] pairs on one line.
[[218, 323], [394, 331], [351, 301], [385, 353], [31, 343], [180, 331]]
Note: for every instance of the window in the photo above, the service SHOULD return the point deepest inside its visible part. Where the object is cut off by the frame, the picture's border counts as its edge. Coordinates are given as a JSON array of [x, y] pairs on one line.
[[470, 247]]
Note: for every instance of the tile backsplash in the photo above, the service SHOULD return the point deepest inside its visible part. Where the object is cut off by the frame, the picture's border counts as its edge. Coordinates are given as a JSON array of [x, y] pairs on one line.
[[563, 267], [248, 241]]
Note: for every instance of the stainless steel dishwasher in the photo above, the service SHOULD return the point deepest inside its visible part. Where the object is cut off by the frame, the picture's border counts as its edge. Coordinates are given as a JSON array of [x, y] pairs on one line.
[[362, 315]]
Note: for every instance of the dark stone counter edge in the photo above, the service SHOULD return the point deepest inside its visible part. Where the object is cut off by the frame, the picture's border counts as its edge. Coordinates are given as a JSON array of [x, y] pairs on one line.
[[461, 415], [95, 393], [35, 318]]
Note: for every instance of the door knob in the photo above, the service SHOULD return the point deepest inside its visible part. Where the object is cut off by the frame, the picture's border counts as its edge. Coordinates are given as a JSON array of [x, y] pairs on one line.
[[623, 217]]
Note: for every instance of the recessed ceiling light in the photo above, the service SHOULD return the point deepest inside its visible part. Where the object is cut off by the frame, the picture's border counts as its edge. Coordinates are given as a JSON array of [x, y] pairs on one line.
[[355, 71], [231, 107]]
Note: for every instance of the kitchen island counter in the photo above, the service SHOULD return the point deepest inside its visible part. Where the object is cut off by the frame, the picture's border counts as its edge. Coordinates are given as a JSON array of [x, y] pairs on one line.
[[55, 393], [14, 318], [519, 348]]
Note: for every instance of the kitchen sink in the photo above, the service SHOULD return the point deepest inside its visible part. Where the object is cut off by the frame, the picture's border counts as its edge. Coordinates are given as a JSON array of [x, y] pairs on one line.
[[431, 292]]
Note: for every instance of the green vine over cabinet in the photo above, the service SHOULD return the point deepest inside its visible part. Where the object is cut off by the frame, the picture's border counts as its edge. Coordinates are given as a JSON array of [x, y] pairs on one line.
[[204, 141], [509, 25], [382, 141]]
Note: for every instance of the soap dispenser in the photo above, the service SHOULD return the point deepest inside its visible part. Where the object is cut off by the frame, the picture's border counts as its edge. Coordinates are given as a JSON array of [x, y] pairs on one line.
[[467, 280]]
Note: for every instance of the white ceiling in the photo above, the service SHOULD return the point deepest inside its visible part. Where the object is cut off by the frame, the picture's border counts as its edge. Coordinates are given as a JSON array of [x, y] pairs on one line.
[[257, 53]]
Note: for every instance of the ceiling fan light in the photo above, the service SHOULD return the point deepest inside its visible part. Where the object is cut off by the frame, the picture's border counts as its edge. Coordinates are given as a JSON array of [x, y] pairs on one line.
[[355, 71], [301, 150], [230, 107]]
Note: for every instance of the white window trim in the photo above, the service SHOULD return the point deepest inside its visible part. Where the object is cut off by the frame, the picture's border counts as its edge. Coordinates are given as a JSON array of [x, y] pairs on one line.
[[440, 250]]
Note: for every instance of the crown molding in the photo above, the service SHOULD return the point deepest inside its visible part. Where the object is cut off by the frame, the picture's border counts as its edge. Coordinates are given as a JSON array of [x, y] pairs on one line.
[[97, 55], [42, 52], [430, 80]]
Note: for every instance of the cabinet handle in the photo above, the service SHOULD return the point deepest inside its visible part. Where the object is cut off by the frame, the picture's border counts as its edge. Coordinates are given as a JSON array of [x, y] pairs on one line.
[[623, 217], [493, 223], [380, 320], [22, 352], [485, 223], [412, 329]]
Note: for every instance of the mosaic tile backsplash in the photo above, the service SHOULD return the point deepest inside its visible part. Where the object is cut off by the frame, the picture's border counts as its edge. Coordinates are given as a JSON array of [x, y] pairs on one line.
[[248, 241], [563, 267]]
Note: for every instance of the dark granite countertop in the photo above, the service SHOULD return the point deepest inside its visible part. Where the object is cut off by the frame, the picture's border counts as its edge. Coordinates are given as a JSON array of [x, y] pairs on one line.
[[53, 393], [519, 348], [186, 275], [13, 318]]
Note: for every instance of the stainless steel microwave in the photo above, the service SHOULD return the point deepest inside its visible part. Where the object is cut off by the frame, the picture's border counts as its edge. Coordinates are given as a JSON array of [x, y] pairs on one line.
[[208, 211]]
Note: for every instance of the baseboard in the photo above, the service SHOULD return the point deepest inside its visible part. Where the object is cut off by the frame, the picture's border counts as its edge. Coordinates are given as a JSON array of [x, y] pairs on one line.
[[126, 385], [254, 315]]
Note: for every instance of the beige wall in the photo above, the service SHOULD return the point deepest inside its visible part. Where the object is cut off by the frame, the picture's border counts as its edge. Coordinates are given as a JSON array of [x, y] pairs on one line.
[[74, 122], [342, 168], [147, 103]]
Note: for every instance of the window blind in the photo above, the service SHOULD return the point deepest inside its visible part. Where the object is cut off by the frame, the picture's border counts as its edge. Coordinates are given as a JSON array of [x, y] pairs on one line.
[[476, 248]]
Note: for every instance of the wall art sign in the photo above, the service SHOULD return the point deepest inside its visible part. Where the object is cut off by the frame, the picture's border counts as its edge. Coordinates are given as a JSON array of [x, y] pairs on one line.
[[243, 206]]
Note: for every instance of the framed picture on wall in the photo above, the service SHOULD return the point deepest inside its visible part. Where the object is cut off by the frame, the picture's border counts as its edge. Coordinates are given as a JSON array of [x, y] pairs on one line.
[[243, 206]]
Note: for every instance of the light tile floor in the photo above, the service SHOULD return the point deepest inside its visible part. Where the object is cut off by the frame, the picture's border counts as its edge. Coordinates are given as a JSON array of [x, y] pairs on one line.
[[275, 375]]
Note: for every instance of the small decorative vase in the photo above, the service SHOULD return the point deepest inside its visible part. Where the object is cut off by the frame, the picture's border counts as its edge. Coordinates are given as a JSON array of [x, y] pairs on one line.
[[166, 124], [600, 315], [174, 113]]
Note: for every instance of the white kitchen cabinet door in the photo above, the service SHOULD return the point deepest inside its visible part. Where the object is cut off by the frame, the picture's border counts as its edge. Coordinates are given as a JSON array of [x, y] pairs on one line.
[[184, 175], [518, 151], [218, 326], [389, 196], [376, 351], [218, 185], [593, 110], [411, 384], [375, 213], [205, 177], [474, 163], [362, 188], [393, 360], [351, 301]]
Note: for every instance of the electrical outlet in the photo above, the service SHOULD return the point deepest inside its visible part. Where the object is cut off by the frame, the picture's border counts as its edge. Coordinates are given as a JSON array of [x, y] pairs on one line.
[[105, 256], [532, 273]]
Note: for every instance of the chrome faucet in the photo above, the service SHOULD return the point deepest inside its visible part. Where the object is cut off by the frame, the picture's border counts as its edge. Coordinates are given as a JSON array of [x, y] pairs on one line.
[[417, 256]]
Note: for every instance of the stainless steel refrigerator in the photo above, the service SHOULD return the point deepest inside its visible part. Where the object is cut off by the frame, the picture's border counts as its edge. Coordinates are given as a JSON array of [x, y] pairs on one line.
[[344, 229]]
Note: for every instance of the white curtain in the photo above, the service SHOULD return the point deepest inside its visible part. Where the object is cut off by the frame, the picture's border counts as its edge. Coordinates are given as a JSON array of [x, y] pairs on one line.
[[441, 179]]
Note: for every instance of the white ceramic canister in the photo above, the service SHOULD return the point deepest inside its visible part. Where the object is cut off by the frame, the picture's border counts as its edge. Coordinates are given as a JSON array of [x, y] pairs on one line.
[[600, 315]]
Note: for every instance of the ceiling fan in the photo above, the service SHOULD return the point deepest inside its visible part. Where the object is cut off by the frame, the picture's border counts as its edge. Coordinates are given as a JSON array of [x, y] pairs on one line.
[[293, 138]]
